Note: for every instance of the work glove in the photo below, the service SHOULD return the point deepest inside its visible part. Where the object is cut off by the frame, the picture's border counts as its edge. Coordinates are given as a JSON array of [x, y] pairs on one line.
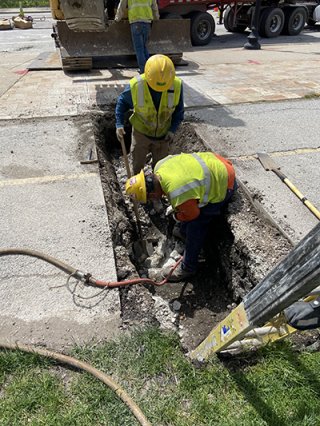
[[169, 137], [120, 133], [170, 213]]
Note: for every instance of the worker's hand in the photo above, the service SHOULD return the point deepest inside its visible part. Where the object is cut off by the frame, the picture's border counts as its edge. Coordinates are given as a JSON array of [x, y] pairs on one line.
[[120, 133], [169, 137], [169, 211]]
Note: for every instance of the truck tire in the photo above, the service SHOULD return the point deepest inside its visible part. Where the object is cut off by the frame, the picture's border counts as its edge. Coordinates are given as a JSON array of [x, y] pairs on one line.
[[229, 24], [271, 22], [202, 28], [294, 21]]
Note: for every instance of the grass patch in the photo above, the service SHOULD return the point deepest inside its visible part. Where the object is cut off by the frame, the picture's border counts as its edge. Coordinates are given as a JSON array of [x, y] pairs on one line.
[[312, 96], [273, 386], [8, 4]]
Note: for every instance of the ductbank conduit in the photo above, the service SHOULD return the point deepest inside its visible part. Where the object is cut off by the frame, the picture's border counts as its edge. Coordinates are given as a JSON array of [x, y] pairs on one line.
[[88, 279]]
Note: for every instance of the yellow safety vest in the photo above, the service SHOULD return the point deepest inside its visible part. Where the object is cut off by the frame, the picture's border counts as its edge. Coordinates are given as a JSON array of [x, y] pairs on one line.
[[145, 118], [200, 176], [139, 10]]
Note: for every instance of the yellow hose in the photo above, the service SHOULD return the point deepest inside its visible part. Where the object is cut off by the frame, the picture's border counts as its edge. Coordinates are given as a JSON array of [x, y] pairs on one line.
[[65, 359]]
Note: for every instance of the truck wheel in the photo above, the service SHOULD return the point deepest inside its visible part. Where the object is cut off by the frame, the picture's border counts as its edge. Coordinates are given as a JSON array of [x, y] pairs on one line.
[[229, 23], [202, 28], [271, 22], [295, 20]]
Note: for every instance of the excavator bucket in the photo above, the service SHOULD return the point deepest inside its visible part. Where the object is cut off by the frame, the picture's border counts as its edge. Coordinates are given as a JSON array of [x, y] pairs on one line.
[[85, 33]]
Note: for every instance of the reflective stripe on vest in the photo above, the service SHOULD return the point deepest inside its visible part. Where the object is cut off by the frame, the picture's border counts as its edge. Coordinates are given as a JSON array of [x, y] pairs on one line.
[[206, 182], [170, 102], [139, 10], [145, 118], [201, 176]]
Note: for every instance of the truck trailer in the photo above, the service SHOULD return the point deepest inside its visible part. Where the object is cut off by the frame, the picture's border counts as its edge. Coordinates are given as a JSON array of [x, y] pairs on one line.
[[276, 16]]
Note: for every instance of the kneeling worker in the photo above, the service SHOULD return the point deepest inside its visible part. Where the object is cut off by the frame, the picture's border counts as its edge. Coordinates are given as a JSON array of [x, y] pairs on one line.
[[156, 98], [197, 186]]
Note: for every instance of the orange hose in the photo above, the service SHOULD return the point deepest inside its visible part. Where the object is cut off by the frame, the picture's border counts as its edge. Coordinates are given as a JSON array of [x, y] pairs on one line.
[[65, 359], [86, 278], [113, 284]]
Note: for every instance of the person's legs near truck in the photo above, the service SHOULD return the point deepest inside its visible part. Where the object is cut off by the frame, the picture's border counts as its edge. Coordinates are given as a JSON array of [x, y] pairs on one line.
[[140, 32]]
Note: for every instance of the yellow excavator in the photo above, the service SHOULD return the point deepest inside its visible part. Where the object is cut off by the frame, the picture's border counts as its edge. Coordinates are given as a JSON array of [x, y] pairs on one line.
[[84, 31]]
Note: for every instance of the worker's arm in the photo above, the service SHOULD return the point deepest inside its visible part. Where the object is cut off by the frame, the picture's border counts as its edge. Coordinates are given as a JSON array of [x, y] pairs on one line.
[[178, 115], [124, 104], [187, 211], [123, 5], [155, 10]]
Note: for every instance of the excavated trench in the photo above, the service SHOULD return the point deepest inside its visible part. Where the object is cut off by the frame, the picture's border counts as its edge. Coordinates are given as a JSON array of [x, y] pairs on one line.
[[240, 249]]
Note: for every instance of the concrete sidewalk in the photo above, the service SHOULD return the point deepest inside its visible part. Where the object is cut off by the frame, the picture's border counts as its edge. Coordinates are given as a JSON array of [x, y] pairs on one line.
[[255, 76], [52, 203]]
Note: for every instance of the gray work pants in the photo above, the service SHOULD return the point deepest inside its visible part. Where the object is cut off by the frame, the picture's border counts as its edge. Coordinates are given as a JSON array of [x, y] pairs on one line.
[[141, 145]]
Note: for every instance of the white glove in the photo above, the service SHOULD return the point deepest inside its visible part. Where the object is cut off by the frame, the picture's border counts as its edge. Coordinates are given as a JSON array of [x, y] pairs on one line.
[[169, 211], [169, 137], [120, 133]]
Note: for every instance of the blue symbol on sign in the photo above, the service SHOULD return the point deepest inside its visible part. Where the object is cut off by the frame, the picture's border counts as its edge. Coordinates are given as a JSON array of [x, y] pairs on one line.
[[225, 329]]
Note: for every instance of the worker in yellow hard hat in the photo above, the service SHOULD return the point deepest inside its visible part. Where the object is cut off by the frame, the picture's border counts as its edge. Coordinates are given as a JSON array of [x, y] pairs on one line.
[[198, 186], [156, 98]]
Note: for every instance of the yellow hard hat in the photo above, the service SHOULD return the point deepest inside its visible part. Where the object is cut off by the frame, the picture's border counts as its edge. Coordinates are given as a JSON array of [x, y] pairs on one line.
[[136, 187], [159, 72]]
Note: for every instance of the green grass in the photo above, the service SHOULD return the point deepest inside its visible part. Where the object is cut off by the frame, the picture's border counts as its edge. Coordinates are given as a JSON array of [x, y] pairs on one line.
[[273, 386], [4, 4], [312, 96]]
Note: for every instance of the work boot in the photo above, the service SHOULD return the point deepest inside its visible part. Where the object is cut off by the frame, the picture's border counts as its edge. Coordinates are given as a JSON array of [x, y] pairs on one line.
[[176, 232], [179, 274]]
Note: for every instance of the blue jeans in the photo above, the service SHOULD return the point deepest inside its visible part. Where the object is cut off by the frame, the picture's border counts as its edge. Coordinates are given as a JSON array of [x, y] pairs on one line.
[[140, 32], [196, 231]]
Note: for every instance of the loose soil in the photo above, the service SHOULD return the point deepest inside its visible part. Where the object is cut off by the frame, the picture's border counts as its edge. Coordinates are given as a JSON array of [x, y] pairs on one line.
[[241, 248]]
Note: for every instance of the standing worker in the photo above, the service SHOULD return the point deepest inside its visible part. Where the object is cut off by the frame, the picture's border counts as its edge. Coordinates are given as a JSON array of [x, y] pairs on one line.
[[197, 186], [141, 13], [156, 98]]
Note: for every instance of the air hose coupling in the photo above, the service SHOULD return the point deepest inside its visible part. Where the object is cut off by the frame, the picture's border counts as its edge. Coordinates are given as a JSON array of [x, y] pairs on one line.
[[82, 276]]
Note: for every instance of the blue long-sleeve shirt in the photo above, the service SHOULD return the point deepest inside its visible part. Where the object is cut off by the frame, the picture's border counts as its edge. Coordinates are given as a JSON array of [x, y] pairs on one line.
[[125, 103]]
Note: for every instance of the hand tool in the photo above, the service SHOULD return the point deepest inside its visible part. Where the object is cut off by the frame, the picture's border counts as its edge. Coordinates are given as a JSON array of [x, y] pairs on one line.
[[140, 247], [269, 164]]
